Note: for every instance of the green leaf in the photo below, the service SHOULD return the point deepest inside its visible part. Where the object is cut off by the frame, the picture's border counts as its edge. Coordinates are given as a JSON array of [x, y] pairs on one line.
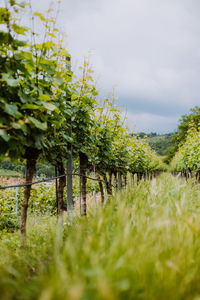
[[12, 2], [10, 80], [21, 4], [42, 18], [48, 44], [30, 106], [24, 55], [19, 29], [4, 15], [4, 135], [19, 43], [38, 124], [24, 98], [12, 110], [49, 106], [20, 126], [51, 34], [44, 97]]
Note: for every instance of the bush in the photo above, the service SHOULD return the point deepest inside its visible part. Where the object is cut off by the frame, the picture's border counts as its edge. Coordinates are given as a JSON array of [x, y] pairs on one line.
[[10, 223]]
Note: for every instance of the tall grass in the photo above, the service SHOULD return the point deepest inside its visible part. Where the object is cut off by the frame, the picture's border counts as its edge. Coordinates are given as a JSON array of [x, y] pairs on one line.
[[145, 244]]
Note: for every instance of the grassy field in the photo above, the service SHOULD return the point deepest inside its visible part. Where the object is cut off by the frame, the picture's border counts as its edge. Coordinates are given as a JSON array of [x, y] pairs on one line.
[[9, 173], [145, 244]]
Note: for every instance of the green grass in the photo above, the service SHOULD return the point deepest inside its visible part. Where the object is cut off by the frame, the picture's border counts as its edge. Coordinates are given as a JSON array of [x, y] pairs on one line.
[[9, 173], [144, 245]]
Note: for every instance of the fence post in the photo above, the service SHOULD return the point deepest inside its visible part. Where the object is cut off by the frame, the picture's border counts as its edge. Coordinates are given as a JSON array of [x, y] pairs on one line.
[[69, 162], [80, 193], [69, 189], [56, 182], [17, 199], [106, 192], [119, 181], [132, 179], [69, 180], [95, 196]]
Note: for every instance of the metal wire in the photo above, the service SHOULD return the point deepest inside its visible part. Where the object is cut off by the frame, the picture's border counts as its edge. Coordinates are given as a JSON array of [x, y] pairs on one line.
[[46, 180]]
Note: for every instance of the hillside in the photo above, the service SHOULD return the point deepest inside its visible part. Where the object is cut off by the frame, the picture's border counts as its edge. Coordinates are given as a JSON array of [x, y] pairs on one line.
[[158, 142], [161, 143]]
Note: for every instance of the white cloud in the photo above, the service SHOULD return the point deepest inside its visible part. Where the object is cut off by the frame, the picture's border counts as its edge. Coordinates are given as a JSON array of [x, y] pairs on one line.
[[145, 122], [150, 49]]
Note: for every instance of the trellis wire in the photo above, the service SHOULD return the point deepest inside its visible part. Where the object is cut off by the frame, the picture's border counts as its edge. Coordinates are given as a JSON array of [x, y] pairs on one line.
[[46, 180], [17, 186]]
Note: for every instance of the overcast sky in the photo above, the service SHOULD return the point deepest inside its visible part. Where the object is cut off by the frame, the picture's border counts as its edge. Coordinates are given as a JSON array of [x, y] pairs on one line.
[[149, 50]]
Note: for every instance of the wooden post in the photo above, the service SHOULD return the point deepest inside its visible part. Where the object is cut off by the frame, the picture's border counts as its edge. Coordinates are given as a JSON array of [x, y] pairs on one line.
[[69, 188], [61, 186], [17, 199], [101, 188], [115, 179], [132, 179], [83, 168], [95, 197], [56, 183], [80, 194], [119, 181], [69, 162]]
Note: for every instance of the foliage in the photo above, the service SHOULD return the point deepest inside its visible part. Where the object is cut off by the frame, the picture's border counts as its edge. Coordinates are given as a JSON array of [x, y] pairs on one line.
[[184, 124], [39, 101], [143, 158], [188, 156], [10, 169], [9, 173], [30, 93], [180, 135], [45, 169], [161, 143], [42, 201], [45, 112]]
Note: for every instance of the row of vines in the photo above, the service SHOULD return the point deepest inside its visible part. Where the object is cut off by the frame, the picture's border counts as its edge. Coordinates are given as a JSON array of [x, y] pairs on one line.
[[46, 112], [187, 159]]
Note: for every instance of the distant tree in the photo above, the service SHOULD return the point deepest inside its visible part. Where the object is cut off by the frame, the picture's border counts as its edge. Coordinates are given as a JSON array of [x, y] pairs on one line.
[[184, 124], [179, 137], [153, 134]]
